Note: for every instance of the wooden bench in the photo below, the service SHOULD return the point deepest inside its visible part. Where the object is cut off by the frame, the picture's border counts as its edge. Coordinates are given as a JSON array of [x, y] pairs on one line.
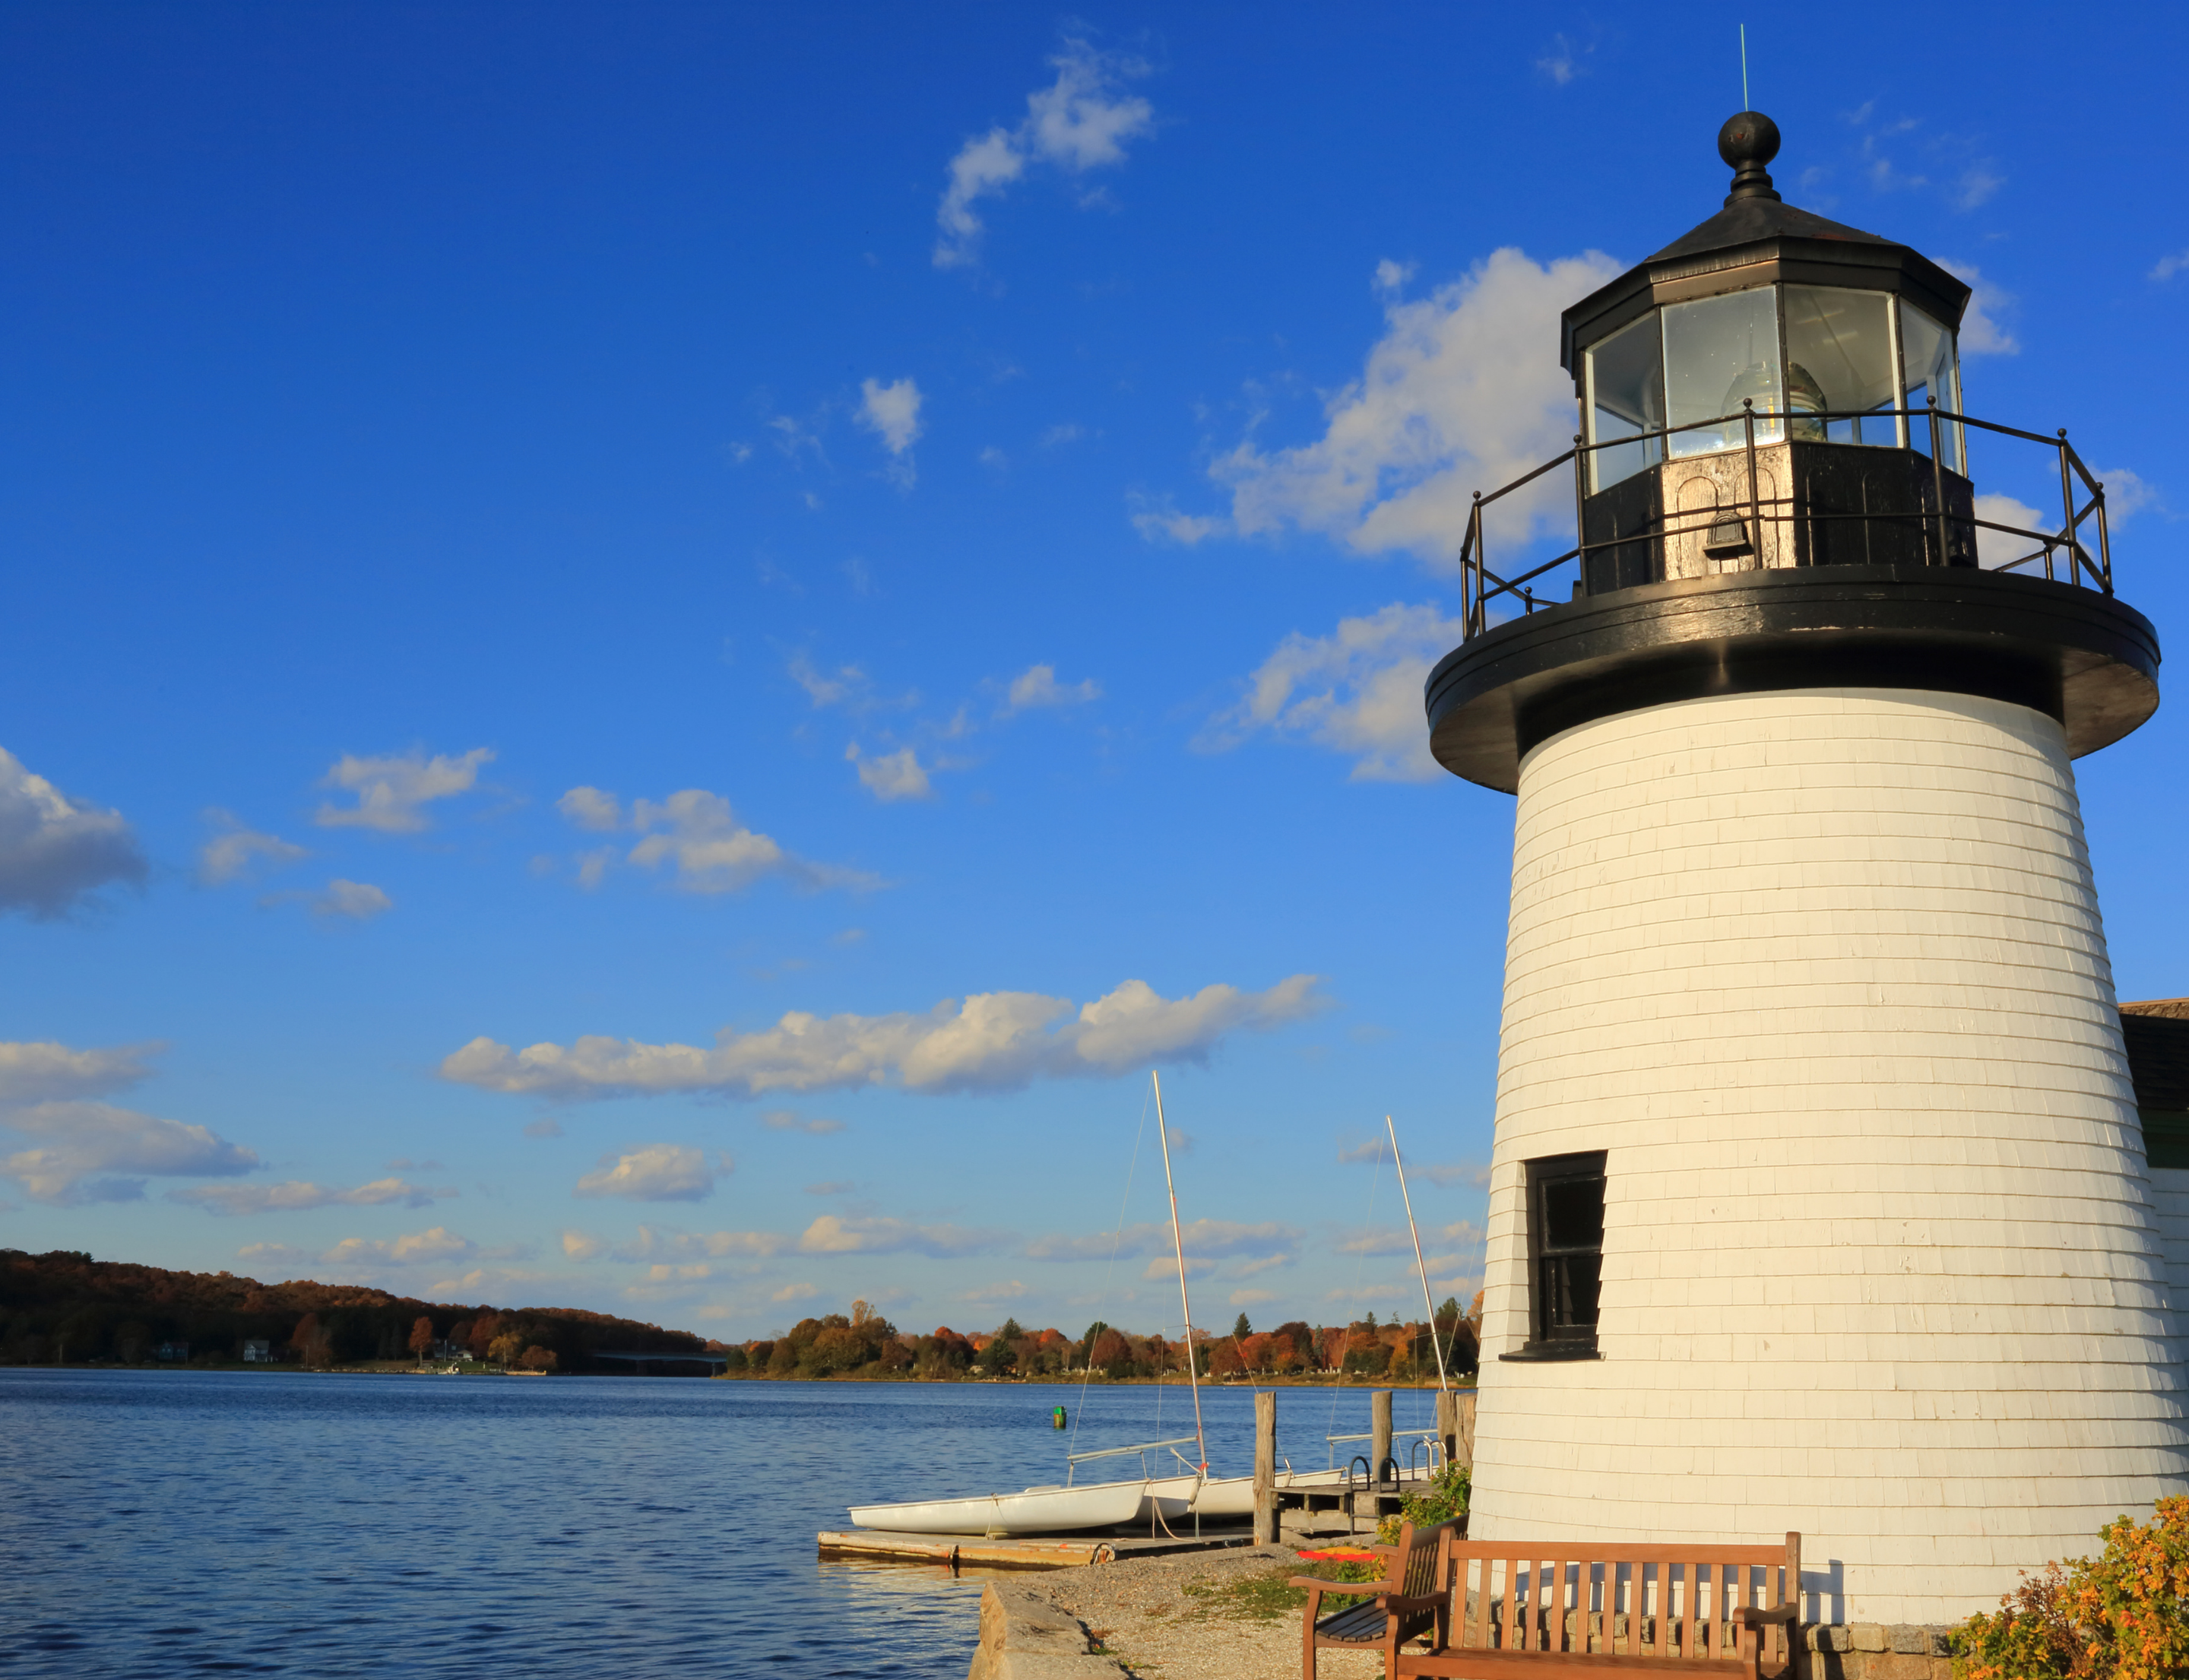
[[1551, 1611], [1406, 1600]]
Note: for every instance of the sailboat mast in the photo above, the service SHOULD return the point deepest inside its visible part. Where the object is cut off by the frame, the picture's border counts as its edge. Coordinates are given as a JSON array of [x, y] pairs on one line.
[[1420, 1264], [1185, 1305]]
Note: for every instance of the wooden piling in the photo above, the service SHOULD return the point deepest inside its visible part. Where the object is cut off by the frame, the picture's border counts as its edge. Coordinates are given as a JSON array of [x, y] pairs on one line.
[[1447, 1424], [1379, 1424], [1465, 1455], [1265, 1467]]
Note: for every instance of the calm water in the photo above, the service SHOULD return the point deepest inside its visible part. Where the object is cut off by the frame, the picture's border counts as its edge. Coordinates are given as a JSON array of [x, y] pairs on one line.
[[274, 1523]]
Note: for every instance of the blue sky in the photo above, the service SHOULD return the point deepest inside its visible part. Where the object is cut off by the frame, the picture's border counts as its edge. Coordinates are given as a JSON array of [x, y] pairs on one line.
[[655, 650]]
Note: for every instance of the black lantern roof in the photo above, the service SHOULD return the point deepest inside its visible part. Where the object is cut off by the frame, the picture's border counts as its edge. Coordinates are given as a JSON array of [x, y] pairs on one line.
[[1756, 240]]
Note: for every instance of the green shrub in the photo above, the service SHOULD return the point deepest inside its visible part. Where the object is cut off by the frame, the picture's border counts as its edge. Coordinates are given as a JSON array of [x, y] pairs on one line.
[[2122, 1616], [1445, 1499]]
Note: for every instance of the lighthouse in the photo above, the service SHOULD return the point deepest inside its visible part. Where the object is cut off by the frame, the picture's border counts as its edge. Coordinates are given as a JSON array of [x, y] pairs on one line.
[[1819, 1200]]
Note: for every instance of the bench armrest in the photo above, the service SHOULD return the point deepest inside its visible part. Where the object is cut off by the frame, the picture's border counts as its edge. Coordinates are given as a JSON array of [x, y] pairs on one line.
[[1748, 1616], [1403, 1602]]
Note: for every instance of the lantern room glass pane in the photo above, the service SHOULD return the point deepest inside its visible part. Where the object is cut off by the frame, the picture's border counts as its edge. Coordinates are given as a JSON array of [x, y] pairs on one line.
[[1625, 396], [1927, 360], [1839, 361], [1718, 351]]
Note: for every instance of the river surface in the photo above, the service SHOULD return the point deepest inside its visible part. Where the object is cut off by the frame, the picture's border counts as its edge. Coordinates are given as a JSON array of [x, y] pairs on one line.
[[162, 1523]]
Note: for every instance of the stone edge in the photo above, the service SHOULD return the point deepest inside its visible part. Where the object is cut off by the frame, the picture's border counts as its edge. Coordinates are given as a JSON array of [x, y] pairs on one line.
[[1024, 1637]]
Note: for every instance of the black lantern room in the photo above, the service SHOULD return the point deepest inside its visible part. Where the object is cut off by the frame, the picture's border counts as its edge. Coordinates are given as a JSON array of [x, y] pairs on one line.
[[1772, 489]]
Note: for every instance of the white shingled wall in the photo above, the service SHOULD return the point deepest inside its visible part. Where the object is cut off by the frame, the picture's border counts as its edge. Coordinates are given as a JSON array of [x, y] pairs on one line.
[[1822, 971]]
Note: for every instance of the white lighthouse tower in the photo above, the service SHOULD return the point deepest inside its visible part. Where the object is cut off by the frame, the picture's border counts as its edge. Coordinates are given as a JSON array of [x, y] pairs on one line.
[[1819, 1200]]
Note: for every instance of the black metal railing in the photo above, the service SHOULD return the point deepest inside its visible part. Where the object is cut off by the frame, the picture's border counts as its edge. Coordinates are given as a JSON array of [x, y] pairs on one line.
[[2056, 550]]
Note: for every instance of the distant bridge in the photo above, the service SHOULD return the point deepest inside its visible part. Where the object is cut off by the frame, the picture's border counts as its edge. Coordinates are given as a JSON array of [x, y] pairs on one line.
[[638, 1361]]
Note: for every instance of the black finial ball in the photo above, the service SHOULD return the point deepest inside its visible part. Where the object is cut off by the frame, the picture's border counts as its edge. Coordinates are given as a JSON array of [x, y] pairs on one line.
[[1748, 141]]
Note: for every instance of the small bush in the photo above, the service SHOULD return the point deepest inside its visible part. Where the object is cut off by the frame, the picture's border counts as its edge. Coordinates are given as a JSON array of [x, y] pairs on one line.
[[2122, 1616], [1446, 1499]]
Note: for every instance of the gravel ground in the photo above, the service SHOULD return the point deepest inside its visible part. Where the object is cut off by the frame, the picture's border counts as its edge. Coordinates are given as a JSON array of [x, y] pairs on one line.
[[1144, 1616]]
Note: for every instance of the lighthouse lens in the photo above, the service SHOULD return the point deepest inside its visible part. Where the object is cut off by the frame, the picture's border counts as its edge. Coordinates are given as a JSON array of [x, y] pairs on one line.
[[1839, 348], [1626, 399], [1720, 351]]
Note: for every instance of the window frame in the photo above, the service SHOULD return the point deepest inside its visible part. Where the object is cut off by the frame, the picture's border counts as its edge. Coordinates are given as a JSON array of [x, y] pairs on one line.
[[1547, 1340]]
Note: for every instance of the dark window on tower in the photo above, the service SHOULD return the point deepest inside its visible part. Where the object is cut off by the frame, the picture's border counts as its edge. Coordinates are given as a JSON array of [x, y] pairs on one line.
[[1566, 1243]]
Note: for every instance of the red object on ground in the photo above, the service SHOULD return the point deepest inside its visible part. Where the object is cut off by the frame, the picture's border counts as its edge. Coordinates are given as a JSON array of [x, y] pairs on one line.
[[1342, 1554]]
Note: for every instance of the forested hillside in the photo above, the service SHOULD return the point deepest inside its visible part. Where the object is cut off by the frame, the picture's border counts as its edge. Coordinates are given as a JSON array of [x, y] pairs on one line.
[[64, 1306]]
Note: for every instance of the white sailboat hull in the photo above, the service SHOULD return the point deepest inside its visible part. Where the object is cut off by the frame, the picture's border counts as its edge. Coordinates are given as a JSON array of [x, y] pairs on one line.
[[1038, 1510]]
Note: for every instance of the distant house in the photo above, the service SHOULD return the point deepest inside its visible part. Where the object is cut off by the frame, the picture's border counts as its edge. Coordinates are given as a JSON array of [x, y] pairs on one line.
[[258, 1353], [178, 1352]]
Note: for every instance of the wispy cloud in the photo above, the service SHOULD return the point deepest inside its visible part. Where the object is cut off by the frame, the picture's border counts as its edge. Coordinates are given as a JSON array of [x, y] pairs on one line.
[[1037, 687], [1982, 332], [789, 1120], [990, 1041], [2167, 267], [236, 851], [1357, 691], [1209, 1239], [300, 1195], [1079, 122], [56, 850], [393, 790], [833, 1234], [653, 1244], [41, 1071]]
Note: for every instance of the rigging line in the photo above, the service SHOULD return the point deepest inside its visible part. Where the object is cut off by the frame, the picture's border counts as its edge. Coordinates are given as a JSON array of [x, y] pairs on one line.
[[1420, 1265], [1744, 104], [1177, 1245], [1118, 1237], [1345, 1341]]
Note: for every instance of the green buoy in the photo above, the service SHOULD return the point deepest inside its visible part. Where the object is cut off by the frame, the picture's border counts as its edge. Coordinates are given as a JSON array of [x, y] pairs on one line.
[[1056, 1418]]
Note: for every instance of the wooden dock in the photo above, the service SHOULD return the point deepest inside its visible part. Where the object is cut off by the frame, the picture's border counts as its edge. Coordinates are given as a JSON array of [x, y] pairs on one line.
[[1022, 1552]]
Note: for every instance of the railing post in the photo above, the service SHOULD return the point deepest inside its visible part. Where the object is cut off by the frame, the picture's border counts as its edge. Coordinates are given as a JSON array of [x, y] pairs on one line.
[[2105, 544], [1481, 611], [1580, 527], [2067, 510], [1754, 502], [1937, 476]]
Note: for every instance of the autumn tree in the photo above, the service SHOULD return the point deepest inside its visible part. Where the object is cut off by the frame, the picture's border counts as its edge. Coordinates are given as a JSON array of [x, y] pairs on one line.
[[506, 1347], [538, 1359], [422, 1337]]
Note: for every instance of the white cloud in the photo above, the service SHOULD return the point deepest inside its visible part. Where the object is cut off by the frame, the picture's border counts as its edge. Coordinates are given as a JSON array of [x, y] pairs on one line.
[[891, 412], [1037, 686], [548, 1126], [794, 1291], [990, 1041], [698, 832], [299, 1196], [55, 850], [1461, 394], [1443, 1174], [1357, 691], [41, 1071], [1391, 278], [832, 1235], [392, 789], [788, 1120], [591, 809], [1374, 1150], [1156, 520], [78, 1144], [1204, 1239], [848, 686], [1982, 334], [659, 1245], [1249, 1298], [356, 900], [436, 1247], [1996, 548], [657, 1172], [1080, 121], [2126, 493], [1165, 1265], [1009, 1289], [2169, 266], [233, 851], [893, 776], [1377, 1239], [577, 1246]]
